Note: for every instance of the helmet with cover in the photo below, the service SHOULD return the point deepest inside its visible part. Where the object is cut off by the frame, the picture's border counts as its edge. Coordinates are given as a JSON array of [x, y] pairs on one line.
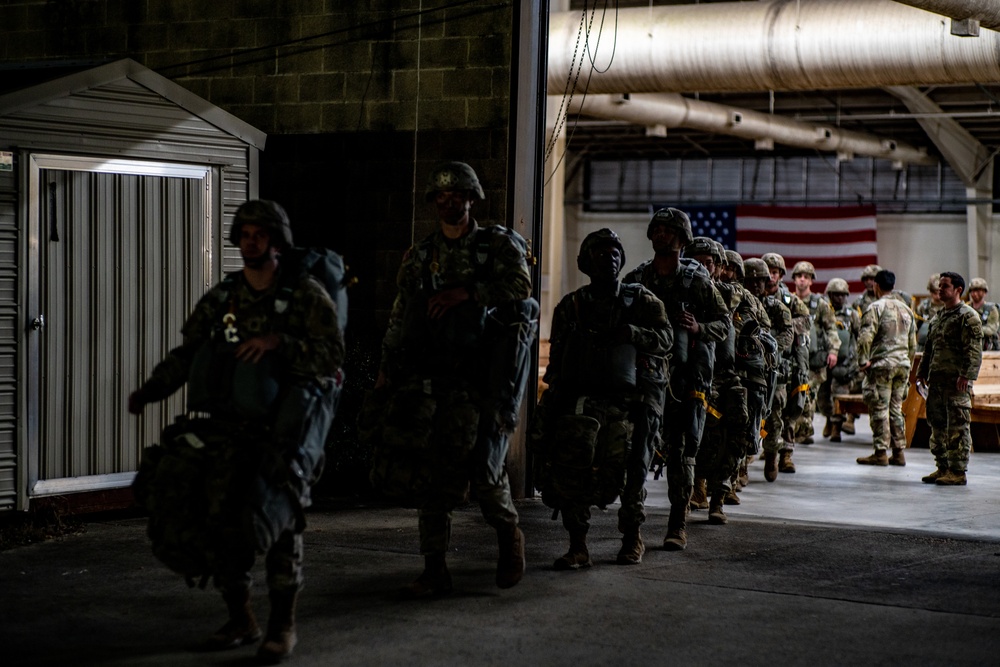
[[675, 220], [453, 176], [701, 245], [773, 261], [978, 283], [754, 268], [934, 282], [266, 214], [870, 271], [837, 286], [735, 260], [594, 240], [804, 267]]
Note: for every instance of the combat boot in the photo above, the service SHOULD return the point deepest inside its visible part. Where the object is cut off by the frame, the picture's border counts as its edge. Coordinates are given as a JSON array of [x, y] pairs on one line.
[[578, 556], [240, 629], [848, 425], [676, 539], [879, 458], [510, 564], [632, 548], [731, 498], [699, 497], [835, 433], [433, 582], [785, 463], [952, 478], [770, 466], [827, 428], [897, 458], [716, 514], [281, 638], [744, 474], [934, 476]]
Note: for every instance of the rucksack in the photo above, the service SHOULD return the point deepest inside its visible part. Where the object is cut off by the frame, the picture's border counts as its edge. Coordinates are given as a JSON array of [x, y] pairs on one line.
[[324, 265]]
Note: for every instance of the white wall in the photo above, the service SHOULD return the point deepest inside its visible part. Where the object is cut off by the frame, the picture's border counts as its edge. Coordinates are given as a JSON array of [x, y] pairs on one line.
[[915, 246]]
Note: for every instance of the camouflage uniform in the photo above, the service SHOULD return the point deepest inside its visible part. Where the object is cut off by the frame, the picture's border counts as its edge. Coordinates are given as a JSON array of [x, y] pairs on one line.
[[841, 376], [311, 352], [583, 327], [925, 313], [953, 350], [823, 339], [443, 357], [888, 340], [784, 333], [691, 288], [797, 381]]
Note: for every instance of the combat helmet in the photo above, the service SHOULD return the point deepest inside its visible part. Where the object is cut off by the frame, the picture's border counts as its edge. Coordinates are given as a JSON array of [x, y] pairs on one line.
[[773, 261], [720, 252], [267, 214], [934, 282], [870, 271], [978, 283], [453, 176], [675, 220], [736, 261], [837, 286], [594, 239], [701, 245], [804, 267], [755, 268]]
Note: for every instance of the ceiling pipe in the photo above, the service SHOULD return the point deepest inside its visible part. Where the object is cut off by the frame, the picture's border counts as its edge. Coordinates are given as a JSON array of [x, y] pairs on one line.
[[766, 45], [966, 15], [671, 110]]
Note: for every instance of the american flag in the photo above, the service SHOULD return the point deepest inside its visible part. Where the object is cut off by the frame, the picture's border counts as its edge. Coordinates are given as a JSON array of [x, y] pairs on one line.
[[840, 241]]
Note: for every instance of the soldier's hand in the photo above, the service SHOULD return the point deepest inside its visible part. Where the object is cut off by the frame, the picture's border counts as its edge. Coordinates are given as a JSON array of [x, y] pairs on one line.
[[688, 321], [136, 402], [831, 360], [253, 350], [865, 366], [440, 303], [962, 384]]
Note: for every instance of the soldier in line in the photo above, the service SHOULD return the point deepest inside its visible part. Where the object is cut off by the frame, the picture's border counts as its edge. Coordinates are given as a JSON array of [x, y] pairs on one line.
[[599, 418], [841, 376], [293, 353], [779, 443], [433, 352], [927, 309], [989, 313], [868, 297], [949, 365], [886, 346], [824, 345], [699, 318], [721, 451]]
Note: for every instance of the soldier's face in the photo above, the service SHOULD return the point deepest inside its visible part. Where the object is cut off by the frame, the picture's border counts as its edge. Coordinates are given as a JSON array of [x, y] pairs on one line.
[[977, 295], [802, 282], [950, 295], [453, 206], [729, 273], [255, 246], [707, 261], [605, 262], [837, 300], [772, 286], [756, 286], [869, 284], [665, 239]]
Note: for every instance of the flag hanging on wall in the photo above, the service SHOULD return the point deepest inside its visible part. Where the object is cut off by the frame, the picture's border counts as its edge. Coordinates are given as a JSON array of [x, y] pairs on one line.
[[839, 240]]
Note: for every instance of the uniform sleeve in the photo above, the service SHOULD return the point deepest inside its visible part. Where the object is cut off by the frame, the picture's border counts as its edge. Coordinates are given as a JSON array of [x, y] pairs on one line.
[[783, 331], [407, 282], [911, 339], [172, 372], [653, 333], [312, 344], [869, 325], [715, 327], [992, 322], [509, 279], [828, 322], [557, 340], [972, 345]]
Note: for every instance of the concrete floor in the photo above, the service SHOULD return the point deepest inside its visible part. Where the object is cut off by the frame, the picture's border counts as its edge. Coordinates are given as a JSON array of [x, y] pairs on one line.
[[838, 564]]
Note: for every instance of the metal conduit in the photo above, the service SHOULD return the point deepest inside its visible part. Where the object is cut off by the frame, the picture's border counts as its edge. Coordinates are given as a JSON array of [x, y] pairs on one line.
[[673, 110], [985, 12], [766, 45]]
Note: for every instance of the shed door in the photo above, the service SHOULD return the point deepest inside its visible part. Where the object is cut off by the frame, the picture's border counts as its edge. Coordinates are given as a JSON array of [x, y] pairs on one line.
[[123, 253]]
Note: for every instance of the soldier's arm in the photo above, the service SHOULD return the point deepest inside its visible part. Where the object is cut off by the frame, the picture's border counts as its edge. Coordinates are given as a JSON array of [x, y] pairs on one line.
[[407, 283], [869, 324], [829, 324], [992, 322], [972, 345], [911, 339], [715, 313], [652, 332], [509, 280], [784, 331], [561, 325], [313, 345]]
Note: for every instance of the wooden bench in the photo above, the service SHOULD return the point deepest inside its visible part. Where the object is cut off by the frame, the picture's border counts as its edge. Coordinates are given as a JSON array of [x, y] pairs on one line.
[[985, 415]]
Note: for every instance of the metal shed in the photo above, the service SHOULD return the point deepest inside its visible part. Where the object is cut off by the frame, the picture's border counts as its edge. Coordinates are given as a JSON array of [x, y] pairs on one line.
[[115, 188]]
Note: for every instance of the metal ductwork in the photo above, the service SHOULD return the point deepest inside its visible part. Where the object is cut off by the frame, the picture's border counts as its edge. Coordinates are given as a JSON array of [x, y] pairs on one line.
[[766, 45], [671, 110], [967, 15]]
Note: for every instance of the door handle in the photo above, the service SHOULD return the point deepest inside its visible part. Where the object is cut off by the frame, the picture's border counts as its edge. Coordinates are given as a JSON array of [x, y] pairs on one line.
[[38, 323]]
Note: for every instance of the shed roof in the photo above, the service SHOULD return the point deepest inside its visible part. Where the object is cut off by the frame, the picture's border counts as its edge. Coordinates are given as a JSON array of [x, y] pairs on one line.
[[127, 68]]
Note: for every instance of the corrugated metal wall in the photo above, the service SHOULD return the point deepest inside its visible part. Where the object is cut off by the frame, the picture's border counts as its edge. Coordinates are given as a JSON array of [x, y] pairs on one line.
[[129, 264]]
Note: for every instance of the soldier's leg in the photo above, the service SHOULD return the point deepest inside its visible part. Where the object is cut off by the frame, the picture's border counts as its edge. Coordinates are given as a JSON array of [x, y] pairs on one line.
[[959, 438], [233, 579], [897, 421], [877, 391], [773, 439], [492, 487], [576, 521], [632, 512], [284, 580], [937, 419]]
